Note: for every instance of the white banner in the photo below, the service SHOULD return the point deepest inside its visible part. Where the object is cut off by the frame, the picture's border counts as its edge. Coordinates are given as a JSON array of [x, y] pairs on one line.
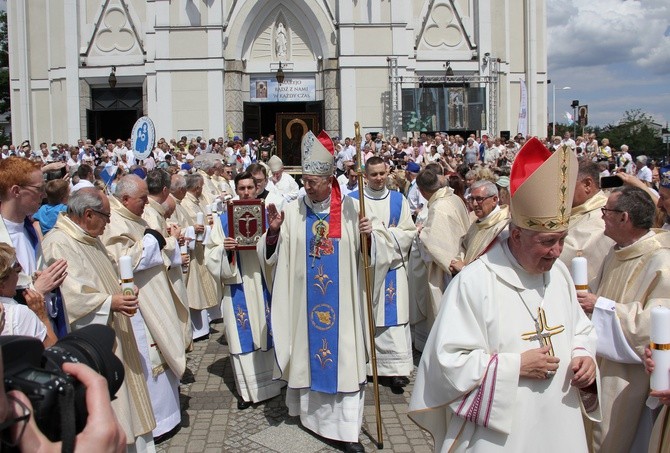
[[267, 89], [522, 127]]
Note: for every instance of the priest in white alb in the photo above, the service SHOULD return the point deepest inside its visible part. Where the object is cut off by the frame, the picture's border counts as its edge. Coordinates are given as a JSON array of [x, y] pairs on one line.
[[586, 235], [245, 306], [439, 243], [157, 325], [92, 295], [510, 362], [393, 232], [491, 221], [317, 317], [635, 278]]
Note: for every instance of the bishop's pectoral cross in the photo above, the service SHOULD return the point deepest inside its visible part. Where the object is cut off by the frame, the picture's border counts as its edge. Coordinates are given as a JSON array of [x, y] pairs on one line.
[[543, 332]]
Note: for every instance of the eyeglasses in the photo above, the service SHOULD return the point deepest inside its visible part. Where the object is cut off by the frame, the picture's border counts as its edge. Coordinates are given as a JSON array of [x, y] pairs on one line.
[[41, 188], [480, 200], [17, 424], [104, 214], [605, 210]]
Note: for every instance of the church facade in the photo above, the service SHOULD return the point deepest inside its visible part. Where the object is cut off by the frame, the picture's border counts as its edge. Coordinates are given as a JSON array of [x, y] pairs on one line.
[[214, 68]]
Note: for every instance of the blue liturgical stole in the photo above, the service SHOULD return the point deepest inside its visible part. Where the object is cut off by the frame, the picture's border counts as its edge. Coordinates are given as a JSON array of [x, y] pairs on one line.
[[321, 258], [56, 309], [390, 282], [240, 307]]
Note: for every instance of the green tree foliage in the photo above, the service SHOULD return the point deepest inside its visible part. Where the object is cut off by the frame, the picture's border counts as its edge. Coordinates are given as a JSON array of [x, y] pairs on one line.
[[637, 131]]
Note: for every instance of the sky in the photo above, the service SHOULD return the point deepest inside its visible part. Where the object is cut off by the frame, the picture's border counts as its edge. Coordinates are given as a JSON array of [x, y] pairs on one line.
[[613, 54]]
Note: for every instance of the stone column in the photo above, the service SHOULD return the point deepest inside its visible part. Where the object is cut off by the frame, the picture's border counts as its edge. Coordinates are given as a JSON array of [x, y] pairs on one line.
[[233, 96], [331, 96]]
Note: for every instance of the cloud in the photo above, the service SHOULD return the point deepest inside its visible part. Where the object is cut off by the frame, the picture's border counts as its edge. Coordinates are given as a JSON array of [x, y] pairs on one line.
[[615, 54], [601, 32]]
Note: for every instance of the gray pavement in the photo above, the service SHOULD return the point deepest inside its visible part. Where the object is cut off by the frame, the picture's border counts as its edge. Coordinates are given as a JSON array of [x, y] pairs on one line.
[[211, 421]]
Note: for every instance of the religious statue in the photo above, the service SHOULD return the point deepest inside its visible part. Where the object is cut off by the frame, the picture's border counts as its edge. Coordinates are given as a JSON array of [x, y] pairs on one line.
[[281, 41]]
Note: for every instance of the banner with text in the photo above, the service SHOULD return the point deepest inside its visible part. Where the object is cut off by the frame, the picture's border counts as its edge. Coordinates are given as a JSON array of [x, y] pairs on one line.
[[267, 89]]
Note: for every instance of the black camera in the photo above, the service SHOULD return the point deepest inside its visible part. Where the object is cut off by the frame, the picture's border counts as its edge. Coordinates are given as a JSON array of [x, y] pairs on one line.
[[59, 400]]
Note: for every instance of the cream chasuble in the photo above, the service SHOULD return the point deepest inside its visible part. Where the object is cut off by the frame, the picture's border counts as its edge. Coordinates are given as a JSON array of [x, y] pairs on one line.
[[660, 436], [210, 190], [636, 278], [92, 279], [161, 312], [392, 237], [481, 234], [203, 290], [154, 216], [468, 392], [440, 240], [586, 237], [246, 315]]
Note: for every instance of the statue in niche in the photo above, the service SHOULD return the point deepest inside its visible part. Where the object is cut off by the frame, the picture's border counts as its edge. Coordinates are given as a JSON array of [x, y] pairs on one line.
[[281, 41]]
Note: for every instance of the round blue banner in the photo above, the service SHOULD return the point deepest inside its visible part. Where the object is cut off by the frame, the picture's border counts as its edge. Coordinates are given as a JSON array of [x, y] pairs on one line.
[[143, 137]]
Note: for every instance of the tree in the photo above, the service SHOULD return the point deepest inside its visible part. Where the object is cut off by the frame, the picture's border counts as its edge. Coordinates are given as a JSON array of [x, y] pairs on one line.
[[635, 130]]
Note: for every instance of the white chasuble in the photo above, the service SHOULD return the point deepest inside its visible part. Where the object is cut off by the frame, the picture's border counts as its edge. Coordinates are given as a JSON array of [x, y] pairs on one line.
[[468, 392]]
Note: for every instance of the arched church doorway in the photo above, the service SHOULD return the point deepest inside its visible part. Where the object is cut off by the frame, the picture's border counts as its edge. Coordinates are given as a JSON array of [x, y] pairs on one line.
[[262, 118], [113, 112]]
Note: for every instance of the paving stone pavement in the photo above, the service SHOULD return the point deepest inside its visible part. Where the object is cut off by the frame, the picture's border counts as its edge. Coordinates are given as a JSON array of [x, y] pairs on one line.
[[212, 423]]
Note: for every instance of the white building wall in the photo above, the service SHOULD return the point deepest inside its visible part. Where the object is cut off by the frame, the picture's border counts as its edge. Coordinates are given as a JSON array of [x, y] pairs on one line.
[[181, 49]]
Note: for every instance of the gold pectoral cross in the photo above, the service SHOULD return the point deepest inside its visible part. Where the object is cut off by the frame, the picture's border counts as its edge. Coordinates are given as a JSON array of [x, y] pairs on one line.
[[543, 332]]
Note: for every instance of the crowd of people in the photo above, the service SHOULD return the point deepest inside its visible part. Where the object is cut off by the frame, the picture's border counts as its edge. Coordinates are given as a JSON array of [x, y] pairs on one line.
[[470, 242]]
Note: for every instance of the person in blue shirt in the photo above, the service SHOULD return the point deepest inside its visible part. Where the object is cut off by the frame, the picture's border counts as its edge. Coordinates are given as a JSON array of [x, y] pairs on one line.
[[58, 192]]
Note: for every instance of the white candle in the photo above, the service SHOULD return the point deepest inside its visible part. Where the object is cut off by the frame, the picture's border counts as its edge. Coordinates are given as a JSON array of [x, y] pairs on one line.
[[200, 220], [215, 207], [184, 254], [580, 273], [660, 348], [126, 271], [208, 209]]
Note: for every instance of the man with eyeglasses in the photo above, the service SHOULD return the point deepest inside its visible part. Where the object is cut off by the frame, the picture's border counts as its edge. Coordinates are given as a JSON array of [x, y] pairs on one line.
[[312, 251], [226, 181], [635, 277], [491, 221], [92, 295], [260, 175], [510, 344], [22, 189], [157, 325], [586, 235]]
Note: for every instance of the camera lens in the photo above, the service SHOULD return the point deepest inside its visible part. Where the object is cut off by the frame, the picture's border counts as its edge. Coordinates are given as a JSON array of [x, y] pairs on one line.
[[92, 345]]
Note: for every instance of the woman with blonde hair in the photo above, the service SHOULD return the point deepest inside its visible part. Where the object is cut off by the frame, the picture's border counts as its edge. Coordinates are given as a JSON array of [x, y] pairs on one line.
[[15, 319]]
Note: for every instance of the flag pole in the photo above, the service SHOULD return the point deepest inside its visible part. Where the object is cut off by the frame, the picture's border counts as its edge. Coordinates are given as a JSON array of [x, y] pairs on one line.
[[368, 290]]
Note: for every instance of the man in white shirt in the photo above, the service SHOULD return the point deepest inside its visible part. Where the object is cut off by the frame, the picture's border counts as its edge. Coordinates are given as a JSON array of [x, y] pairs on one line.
[[643, 172], [282, 183]]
